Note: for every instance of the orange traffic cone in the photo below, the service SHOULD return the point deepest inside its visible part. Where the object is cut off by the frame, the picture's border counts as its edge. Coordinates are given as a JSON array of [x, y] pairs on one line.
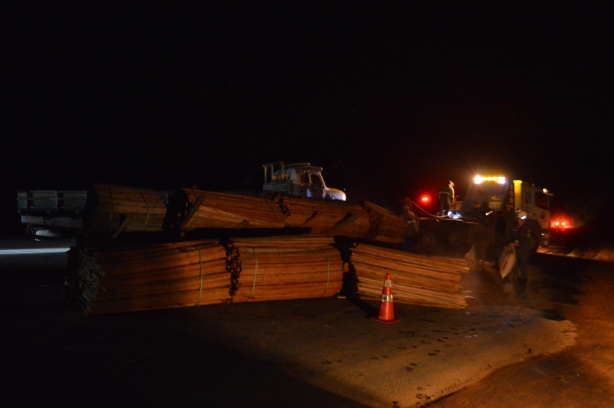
[[386, 307]]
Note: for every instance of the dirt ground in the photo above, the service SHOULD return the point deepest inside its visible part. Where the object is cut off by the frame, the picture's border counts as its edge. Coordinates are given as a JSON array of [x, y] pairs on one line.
[[580, 289], [551, 347]]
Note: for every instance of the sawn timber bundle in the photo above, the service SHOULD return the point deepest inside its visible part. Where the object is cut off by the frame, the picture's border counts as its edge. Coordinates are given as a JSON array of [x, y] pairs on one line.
[[206, 209], [286, 268], [118, 209], [324, 217], [104, 280], [416, 279], [384, 227]]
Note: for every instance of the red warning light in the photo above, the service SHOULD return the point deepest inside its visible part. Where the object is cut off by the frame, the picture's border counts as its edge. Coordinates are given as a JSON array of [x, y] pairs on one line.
[[561, 223]]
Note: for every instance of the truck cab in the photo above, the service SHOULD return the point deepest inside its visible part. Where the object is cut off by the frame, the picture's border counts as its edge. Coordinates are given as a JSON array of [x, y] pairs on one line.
[[298, 179]]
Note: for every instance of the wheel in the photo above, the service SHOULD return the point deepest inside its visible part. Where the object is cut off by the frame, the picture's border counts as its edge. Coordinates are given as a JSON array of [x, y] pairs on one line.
[[534, 240], [428, 240], [534, 243], [29, 232], [455, 238]]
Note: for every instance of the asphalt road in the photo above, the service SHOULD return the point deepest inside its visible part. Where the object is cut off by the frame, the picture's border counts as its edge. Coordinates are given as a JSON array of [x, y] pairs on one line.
[[549, 348]]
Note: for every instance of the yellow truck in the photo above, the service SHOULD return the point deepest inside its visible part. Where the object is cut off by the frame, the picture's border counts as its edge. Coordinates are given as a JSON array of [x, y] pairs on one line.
[[485, 196]]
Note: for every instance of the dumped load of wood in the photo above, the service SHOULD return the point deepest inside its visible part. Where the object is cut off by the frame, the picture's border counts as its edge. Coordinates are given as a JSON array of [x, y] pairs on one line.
[[205, 209], [110, 280], [324, 217], [117, 209], [383, 226], [285, 268], [208, 209], [417, 279], [111, 277], [106, 280]]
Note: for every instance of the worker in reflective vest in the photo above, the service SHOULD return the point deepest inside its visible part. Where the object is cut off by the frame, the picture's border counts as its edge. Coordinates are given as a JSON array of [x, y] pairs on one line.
[[446, 198], [519, 236]]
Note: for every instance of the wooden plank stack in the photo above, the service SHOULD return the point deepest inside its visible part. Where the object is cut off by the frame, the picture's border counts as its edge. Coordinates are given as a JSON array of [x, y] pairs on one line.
[[163, 276], [208, 209], [113, 209], [291, 267], [325, 217], [416, 279], [318, 217], [112, 279], [384, 226], [118, 209]]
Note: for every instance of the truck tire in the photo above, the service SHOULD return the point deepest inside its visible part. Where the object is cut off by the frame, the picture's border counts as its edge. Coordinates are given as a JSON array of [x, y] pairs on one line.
[[534, 243], [31, 231], [427, 240], [535, 235], [455, 238]]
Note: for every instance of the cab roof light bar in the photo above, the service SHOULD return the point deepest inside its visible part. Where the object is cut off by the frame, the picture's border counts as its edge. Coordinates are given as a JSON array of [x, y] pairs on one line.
[[481, 179]]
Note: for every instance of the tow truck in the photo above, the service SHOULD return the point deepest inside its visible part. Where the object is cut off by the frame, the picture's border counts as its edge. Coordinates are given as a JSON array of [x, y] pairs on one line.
[[486, 195]]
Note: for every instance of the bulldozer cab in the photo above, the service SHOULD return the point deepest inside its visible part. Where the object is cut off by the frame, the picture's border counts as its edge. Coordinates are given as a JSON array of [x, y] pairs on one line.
[[298, 179]]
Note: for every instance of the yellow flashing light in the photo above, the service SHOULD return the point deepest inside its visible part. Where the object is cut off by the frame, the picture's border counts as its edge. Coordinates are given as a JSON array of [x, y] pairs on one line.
[[481, 179]]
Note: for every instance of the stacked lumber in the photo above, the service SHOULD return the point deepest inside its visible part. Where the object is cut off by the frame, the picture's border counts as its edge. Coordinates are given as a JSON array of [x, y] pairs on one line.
[[416, 279], [108, 278], [208, 209], [213, 210], [105, 280], [325, 217], [120, 208], [281, 268], [384, 226], [115, 209]]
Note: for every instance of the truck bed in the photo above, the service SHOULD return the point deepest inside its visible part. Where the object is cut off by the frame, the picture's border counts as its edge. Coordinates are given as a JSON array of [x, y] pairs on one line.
[[41, 202]]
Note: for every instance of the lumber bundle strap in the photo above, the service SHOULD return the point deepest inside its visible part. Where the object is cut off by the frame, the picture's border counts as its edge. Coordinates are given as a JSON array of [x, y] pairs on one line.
[[117, 209], [417, 279], [281, 202], [233, 267]]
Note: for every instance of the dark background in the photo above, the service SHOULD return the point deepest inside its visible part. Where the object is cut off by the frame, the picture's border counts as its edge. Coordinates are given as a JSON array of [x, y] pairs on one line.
[[392, 98]]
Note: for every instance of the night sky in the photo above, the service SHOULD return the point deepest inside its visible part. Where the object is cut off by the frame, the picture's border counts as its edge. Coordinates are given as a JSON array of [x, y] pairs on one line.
[[392, 98]]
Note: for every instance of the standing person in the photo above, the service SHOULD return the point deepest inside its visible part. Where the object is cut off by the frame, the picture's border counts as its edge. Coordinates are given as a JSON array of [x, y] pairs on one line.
[[519, 236], [482, 239], [499, 237], [446, 198]]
